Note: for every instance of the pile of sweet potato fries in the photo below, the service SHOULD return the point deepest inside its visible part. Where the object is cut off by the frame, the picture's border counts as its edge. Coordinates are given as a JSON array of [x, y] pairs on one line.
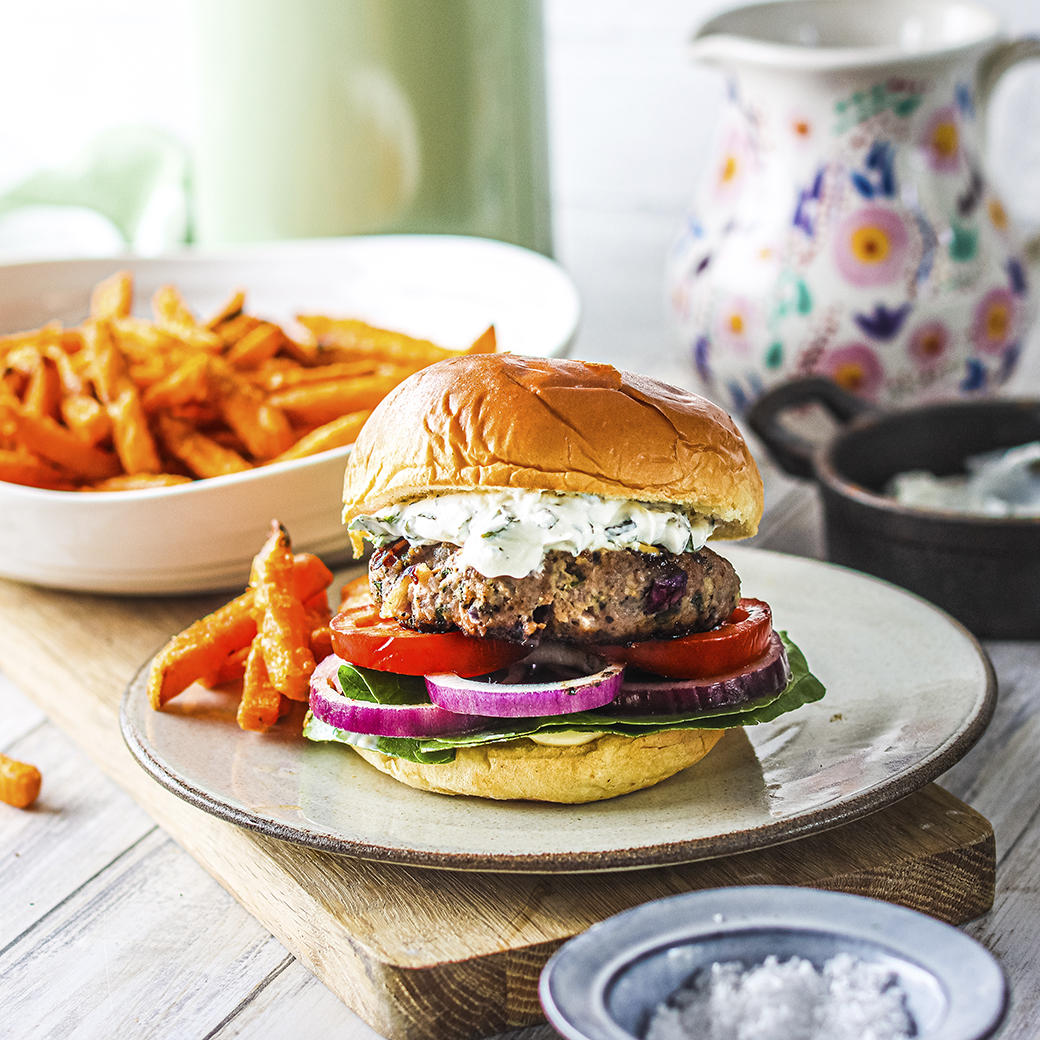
[[121, 402], [270, 638]]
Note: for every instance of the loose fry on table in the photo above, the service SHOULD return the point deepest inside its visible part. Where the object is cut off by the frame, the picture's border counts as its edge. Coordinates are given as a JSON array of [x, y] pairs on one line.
[[280, 618], [19, 782]]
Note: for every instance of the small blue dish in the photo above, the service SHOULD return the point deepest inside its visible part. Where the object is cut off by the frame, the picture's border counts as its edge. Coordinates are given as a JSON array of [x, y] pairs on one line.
[[607, 982]]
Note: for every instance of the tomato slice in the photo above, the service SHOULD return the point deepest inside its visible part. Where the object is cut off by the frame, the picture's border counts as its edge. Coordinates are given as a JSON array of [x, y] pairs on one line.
[[361, 636], [741, 639]]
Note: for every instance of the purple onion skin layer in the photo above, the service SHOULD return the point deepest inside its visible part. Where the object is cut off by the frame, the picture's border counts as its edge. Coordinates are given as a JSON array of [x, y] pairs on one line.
[[768, 675], [471, 696], [332, 706]]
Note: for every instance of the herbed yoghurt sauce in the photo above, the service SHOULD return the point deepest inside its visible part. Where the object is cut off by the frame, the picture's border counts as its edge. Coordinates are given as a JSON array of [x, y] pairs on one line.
[[508, 532]]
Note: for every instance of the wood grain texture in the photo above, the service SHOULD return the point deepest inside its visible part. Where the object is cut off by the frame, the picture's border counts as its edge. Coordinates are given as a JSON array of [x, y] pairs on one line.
[[441, 954]]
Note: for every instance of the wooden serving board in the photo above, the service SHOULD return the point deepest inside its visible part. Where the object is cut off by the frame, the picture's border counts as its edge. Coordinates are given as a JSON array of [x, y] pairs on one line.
[[434, 953]]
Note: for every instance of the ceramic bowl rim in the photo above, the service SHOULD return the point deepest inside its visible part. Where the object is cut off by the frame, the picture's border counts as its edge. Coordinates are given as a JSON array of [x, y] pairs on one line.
[[831, 478], [970, 977]]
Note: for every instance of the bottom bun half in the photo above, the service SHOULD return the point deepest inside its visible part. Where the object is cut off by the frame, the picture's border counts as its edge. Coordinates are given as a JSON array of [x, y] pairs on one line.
[[521, 769]]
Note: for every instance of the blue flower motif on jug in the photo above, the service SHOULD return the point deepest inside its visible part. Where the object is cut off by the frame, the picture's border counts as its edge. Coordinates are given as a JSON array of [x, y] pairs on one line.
[[885, 322], [879, 180]]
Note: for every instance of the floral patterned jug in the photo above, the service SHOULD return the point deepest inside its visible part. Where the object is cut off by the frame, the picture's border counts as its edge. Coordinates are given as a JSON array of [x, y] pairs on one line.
[[846, 226]]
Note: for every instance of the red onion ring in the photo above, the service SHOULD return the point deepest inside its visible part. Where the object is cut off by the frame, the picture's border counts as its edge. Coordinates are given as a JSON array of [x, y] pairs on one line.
[[530, 700], [329, 703], [768, 675]]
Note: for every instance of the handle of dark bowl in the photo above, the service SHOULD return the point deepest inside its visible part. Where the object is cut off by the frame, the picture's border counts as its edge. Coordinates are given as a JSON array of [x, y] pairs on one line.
[[793, 453]]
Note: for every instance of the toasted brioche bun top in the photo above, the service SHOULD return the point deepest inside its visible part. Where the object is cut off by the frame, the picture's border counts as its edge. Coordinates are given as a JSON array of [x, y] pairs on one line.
[[498, 421]]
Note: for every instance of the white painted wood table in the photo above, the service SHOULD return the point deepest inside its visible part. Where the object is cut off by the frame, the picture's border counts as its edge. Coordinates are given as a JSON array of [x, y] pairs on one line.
[[109, 929]]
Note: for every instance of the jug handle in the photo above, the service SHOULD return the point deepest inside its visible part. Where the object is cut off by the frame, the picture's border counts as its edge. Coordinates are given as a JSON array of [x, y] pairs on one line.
[[1001, 58], [792, 452]]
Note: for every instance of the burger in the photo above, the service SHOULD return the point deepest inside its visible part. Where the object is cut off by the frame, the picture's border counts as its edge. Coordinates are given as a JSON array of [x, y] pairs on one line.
[[542, 617]]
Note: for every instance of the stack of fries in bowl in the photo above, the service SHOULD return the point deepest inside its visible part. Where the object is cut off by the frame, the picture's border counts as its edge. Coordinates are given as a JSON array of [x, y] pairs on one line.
[[146, 455]]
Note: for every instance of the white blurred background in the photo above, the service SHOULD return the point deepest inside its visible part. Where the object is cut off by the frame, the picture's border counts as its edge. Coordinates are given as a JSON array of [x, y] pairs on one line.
[[630, 124]]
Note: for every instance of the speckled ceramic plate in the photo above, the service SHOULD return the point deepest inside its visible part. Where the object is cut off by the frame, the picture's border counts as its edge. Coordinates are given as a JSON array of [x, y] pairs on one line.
[[908, 693]]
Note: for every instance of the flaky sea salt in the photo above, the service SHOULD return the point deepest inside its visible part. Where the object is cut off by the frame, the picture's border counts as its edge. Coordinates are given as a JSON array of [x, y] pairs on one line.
[[849, 999]]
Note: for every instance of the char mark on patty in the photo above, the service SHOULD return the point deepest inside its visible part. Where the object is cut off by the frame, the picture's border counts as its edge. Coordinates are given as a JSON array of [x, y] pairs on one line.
[[603, 596]]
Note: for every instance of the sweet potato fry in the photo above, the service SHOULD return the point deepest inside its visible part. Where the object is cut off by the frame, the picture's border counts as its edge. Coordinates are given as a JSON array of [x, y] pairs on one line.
[[356, 339], [256, 346], [485, 343], [173, 316], [281, 374], [260, 424], [201, 454], [43, 392], [233, 329], [260, 704], [113, 297], [138, 482], [131, 436], [18, 467], [141, 341], [319, 403], [231, 308], [86, 417], [19, 782], [231, 669], [201, 648], [188, 382], [49, 440], [335, 434], [281, 620], [211, 650]]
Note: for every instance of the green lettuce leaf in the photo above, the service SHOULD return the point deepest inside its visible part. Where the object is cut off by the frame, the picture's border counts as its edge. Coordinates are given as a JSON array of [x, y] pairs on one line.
[[366, 684], [803, 688]]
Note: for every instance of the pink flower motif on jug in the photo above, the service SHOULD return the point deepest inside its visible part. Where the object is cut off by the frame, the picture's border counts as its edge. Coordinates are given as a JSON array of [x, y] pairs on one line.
[[929, 344], [994, 326], [737, 325], [870, 246], [941, 140], [855, 367]]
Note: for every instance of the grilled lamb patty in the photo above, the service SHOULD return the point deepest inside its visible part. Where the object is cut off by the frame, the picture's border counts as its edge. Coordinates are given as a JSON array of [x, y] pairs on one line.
[[604, 596]]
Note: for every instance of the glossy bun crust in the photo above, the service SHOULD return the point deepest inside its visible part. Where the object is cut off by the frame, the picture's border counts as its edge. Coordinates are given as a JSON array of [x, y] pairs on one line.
[[492, 421], [521, 769]]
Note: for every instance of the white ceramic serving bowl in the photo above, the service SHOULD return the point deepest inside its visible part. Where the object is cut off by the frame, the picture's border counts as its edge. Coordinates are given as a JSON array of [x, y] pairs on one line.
[[605, 983], [202, 536]]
